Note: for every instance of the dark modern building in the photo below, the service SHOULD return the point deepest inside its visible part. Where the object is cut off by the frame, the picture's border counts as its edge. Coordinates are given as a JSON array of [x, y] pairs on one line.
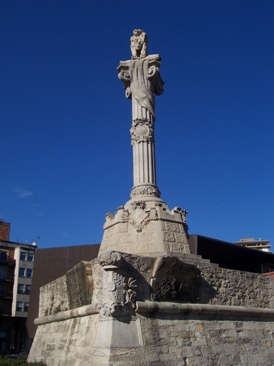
[[232, 256], [51, 263]]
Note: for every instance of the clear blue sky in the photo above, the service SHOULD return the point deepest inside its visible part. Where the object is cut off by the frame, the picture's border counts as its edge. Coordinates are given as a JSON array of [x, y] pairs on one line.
[[66, 158]]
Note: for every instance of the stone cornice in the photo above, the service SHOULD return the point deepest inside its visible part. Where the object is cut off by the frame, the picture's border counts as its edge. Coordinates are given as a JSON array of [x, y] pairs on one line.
[[164, 308]]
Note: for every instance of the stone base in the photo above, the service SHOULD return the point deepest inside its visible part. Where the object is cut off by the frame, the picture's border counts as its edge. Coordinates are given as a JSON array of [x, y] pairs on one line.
[[145, 227], [150, 339], [123, 309]]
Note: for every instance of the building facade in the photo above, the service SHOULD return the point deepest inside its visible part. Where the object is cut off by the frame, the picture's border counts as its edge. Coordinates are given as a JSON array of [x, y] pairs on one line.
[[16, 271], [252, 243]]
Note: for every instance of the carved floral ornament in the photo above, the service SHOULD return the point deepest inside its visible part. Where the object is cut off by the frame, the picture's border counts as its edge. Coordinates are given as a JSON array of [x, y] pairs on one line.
[[146, 190], [119, 292], [141, 131]]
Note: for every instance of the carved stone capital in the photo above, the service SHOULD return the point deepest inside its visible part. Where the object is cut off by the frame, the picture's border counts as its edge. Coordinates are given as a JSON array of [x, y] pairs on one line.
[[151, 73]]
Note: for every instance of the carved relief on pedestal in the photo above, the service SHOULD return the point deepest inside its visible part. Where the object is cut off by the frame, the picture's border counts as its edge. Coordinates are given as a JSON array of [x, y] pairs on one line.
[[80, 284], [173, 280], [145, 190], [139, 216], [177, 247], [119, 290], [111, 260]]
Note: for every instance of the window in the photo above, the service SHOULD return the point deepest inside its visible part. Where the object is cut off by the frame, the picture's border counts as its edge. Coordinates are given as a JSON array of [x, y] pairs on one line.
[[29, 272], [19, 306], [3, 256], [20, 288], [30, 256], [23, 256], [21, 272], [2, 289], [27, 290], [26, 306], [3, 273]]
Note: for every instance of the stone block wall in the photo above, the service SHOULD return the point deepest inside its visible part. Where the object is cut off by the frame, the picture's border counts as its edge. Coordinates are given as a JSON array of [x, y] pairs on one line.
[[166, 340], [204, 315], [171, 280], [54, 297], [223, 286], [207, 340], [155, 236]]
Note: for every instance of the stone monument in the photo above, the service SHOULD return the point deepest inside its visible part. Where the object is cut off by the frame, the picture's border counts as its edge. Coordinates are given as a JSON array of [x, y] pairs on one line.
[[145, 300], [145, 225]]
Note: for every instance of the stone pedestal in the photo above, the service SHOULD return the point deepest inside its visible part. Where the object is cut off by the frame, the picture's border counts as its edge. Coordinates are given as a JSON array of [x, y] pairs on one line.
[[145, 225], [147, 311], [146, 228]]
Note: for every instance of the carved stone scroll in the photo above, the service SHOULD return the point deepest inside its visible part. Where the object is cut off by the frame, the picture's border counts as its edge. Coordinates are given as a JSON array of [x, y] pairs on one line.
[[119, 290]]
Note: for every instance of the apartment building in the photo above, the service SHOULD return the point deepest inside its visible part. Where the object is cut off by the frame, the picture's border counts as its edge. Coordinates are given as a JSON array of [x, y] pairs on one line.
[[16, 270], [252, 243]]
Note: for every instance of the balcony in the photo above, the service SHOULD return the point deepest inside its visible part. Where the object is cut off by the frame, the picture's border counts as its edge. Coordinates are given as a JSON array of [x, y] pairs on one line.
[[4, 312], [10, 262], [6, 294], [6, 278]]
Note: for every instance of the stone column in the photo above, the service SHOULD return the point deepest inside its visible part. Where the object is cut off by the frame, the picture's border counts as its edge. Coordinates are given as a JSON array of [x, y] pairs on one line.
[[144, 225], [142, 81]]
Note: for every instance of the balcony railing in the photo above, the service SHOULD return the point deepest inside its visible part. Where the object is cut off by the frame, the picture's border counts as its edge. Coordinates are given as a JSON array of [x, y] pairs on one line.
[[4, 312], [7, 278], [10, 262], [6, 294]]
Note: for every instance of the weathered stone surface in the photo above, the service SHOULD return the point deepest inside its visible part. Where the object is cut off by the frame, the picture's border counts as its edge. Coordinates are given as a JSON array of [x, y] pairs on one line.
[[162, 339], [145, 230], [115, 281], [54, 297], [174, 280], [145, 224], [80, 287], [230, 287], [165, 335]]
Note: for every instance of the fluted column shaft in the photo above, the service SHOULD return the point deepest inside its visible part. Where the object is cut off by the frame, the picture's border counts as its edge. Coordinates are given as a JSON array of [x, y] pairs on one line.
[[142, 82]]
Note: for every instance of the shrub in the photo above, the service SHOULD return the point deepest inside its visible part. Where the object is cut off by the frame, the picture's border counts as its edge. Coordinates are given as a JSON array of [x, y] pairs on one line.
[[20, 361]]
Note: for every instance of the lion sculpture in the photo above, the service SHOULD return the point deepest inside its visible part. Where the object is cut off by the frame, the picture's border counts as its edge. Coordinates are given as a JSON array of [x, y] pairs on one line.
[[138, 44]]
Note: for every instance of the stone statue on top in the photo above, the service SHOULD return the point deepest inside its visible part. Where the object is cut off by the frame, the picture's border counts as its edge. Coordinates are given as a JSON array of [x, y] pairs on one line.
[[138, 44]]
